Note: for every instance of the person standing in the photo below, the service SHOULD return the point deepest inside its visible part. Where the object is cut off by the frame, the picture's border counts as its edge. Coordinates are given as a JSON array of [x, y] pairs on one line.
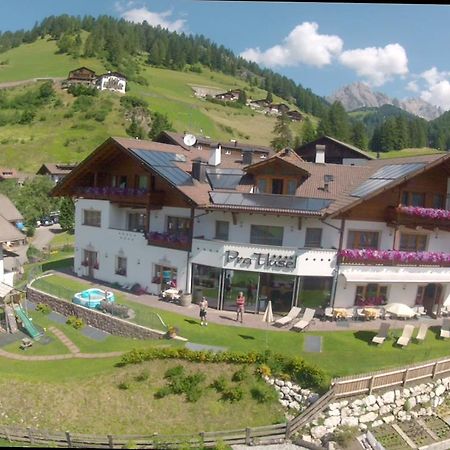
[[203, 311], [240, 306]]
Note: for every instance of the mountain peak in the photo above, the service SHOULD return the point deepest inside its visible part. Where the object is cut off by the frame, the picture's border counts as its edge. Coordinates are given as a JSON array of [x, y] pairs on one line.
[[360, 95]]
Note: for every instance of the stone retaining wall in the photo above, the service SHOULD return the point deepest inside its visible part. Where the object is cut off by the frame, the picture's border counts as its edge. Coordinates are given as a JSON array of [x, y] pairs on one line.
[[104, 322]]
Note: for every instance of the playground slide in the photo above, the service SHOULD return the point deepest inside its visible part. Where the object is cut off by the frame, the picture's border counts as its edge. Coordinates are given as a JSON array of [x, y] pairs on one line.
[[21, 314], [10, 319]]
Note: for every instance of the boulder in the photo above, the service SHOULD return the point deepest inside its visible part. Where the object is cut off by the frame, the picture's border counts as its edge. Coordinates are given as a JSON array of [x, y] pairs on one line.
[[369, 417], [349, 421], [388, 419], [285, 390], [279, 382], [288, 384], [370, 400], [313, 398], [388, 397], [294, 405], [386, 409], [333, 406], [440, 389], [318, 432], [377, 423], [332, 422]]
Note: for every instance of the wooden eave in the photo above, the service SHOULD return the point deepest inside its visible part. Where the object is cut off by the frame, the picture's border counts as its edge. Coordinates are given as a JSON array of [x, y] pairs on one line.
[[253, 169], [341, 212]]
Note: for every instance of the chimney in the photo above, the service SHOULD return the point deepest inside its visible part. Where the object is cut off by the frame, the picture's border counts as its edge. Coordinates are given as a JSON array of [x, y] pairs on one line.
[[216, 156], [320, 154], [199, 170], [247, 157]]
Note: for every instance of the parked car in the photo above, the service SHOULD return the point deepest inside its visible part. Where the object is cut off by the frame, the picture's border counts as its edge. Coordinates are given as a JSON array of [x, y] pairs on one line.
[[46, 221]]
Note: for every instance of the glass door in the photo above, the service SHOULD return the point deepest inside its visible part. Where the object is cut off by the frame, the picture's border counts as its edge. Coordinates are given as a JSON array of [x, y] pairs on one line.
[[236, 281], [277, 288]]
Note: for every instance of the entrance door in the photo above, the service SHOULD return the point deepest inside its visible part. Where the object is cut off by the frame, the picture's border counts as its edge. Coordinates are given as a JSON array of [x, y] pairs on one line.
[[431, 299], [236, 281], [279, 289], [91, 260]]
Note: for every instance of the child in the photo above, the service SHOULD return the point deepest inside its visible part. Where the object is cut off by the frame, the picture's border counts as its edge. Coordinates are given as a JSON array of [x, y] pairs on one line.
[[240, 305], [203, 307]]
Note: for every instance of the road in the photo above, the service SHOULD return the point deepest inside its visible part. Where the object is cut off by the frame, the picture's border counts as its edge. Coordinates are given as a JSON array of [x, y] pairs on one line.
[[43, 235]]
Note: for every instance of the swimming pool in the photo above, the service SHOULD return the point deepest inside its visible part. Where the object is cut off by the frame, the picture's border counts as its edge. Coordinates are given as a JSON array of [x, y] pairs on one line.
[[91, 298]]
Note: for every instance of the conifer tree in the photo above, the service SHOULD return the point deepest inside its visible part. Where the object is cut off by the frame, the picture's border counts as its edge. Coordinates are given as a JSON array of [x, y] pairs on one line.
[[282, 133]]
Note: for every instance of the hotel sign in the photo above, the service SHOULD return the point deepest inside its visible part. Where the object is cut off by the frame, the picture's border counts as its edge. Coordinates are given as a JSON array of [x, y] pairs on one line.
[[261, 260]]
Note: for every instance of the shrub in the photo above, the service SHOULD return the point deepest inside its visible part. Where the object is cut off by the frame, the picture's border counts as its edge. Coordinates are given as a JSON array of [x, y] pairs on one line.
[[345, 435], [124, 385], [43, 308], [234, 394], [143, 376], [179, 383], [219, 384], [176, 371], [263, 370], [241, 374], [263, 393], [75, 322]]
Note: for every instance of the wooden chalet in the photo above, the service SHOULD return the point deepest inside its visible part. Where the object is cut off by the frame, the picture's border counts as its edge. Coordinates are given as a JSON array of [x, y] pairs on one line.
[[335, 152], [81, 75], [56, 171], [295, 116], [8, 174]]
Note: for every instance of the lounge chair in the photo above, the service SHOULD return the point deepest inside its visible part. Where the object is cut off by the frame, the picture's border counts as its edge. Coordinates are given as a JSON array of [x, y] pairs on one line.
[[404, 339], [420, 311], [445, 329], [422, 333], [291, 315], [382, 333], [350, 313], [359, 314], [328, 313], [305, 320]]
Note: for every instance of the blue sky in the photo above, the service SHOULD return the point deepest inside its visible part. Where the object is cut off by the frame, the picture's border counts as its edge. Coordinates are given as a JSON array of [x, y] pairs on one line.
[[401, 50]]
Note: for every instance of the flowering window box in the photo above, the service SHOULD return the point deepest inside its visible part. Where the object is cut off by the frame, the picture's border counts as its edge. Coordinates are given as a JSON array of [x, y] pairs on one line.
[[424, 213], [394, 257]]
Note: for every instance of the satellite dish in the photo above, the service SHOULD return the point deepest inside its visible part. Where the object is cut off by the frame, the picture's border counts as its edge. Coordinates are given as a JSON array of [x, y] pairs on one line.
[[189, 140]]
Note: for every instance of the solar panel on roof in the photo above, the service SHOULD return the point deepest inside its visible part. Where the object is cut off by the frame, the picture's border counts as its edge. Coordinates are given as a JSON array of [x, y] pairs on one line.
[[163, 163], [269, 201], [384, 176], [224, 178]]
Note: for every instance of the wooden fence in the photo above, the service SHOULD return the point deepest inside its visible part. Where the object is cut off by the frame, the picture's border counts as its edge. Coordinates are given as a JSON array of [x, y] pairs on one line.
[[258, 435], [367, 383]]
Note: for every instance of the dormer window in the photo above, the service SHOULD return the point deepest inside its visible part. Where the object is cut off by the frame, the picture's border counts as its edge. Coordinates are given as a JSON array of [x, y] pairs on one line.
[[277, 185], [280, 186]]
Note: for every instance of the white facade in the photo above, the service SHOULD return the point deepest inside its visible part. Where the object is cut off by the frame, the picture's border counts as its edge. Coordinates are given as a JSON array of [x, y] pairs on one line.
[[112, 82], [113, 239]]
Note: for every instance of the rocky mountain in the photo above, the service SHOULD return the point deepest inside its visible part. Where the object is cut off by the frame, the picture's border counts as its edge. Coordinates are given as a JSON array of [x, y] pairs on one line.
[[360, 95]]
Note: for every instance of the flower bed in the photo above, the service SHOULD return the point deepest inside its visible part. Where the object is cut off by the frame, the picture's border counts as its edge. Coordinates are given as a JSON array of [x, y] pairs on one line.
[[108, 190], [394, 257], [425, 213]]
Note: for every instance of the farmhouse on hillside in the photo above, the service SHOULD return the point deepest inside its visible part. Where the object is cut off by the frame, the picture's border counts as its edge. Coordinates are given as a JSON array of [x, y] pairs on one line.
[[55, 171], [111, 81]]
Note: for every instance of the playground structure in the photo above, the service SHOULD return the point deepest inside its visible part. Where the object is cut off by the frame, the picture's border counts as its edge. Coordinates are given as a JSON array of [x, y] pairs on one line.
[[92, 298], [16, 317]]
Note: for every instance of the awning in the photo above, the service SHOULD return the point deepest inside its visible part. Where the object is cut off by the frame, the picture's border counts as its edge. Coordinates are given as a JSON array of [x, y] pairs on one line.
[[396, 274], [5, 290]]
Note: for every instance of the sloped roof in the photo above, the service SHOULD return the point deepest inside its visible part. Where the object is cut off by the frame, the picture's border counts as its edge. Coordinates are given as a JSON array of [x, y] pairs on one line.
[[56, 168], [7, 209], [9, 232]]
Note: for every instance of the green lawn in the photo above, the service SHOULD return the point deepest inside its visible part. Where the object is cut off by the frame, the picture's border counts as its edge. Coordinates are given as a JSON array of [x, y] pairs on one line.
[[344, 352]]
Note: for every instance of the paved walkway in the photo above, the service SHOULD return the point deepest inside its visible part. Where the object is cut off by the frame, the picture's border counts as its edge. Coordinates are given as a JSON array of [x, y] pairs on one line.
[[255, 320], [73, 349]]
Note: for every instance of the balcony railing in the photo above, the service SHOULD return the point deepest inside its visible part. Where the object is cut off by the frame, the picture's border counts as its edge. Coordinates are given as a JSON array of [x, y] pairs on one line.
[[371, 257], [169, 241]]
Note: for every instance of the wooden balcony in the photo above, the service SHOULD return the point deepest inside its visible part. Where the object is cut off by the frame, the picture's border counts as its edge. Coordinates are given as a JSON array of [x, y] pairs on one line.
[[166, 241], [368, 257], [412, 217]]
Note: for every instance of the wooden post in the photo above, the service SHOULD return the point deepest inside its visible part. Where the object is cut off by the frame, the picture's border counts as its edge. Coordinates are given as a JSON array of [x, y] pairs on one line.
[[405, 377], [202, 437], [8, 436], [288, 429], [68, 439], [30, 435], [247, 436], [371, 384], [110, 441], [433, 375]]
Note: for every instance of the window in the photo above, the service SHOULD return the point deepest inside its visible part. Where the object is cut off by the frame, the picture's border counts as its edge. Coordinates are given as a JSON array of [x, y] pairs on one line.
[[143, 182], [92, 218], [165, 276], [266, 235], [262, 185], [313, 237], [413, 199], [277, 186], [121, 266], [413, 242], [419, 295], [123, 181], [178, 227], [371, 294], [291, 187], [222, 230], [136, 222], [363, 239], [438, 201]]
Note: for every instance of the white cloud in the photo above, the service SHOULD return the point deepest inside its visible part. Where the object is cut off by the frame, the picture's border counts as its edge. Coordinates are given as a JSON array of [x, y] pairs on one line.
[[377, 65], [303, 45], [435, 87], [413, 86], [138, 15]]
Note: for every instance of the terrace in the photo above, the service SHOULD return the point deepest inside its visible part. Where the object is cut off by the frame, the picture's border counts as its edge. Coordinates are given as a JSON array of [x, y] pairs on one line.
[[414, 216]]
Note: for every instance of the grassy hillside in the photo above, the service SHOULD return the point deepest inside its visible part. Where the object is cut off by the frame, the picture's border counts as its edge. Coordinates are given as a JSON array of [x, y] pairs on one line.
[[57, 136]]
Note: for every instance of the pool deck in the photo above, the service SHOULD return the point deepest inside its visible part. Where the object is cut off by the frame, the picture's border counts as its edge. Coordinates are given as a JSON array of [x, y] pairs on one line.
[[252, 320]]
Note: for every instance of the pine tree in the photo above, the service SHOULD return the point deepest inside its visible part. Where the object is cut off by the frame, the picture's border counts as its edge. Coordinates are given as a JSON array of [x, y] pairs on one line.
[[308, 132], [160, 122], [359, 135], [282, 133], [67, 214]]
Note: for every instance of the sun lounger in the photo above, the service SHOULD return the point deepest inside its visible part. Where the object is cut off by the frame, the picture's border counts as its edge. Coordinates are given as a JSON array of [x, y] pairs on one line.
[[420, 311], [445, 329], [328, 313], [422, 333], [404, 339], [291, 315], [305, 320], [382, 333]]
